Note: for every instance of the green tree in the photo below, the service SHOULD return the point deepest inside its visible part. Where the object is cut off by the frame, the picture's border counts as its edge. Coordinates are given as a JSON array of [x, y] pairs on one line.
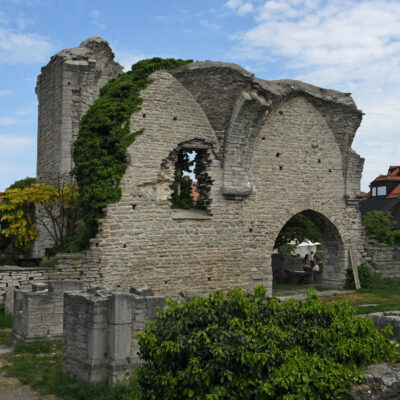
[[57, 212], [182, 185], [379, 225], [10, 252], [299, 228]]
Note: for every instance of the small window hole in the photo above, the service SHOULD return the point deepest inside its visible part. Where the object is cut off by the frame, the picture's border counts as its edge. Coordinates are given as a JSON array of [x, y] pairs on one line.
[[281, 167], [124, 246], [144, 115], [175, 118], [281, 112], [134, 206], [329, 170], [319, 161], [263, 138], [277, 154]]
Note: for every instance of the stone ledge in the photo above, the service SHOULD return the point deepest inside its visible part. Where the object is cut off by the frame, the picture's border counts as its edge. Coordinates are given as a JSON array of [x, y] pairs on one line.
[[190, 214]]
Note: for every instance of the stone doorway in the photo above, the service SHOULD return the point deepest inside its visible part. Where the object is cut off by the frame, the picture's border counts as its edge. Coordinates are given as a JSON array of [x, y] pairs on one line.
[[334, 256]]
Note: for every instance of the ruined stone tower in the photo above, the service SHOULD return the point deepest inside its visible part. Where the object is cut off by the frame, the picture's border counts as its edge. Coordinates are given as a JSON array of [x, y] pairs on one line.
[[66, 87], [266, 151]]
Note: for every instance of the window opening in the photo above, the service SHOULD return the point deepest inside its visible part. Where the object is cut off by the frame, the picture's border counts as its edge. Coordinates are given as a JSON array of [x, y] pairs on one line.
[[381, 191], [374, 191], [191, 185]]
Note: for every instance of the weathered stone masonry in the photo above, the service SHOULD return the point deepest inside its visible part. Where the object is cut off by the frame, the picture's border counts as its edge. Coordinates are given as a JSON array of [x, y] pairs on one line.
[[271, 149], [66, 87]]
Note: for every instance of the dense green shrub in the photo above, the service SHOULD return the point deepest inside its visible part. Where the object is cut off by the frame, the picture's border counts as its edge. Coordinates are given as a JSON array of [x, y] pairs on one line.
[[379, 225], [99, 152], [364, 274], [368, 278], [6, 320], [247, 346]]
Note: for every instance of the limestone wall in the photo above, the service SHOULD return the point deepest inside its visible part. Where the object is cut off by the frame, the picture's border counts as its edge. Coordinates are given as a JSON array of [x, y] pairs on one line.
[[38, 313], [66, 87], [383, 259], [99, 328], [293, 163], [271, 149], [14, 277]]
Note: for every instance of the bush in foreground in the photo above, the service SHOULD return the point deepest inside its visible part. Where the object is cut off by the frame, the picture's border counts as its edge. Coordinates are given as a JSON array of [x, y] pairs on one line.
[[247, 346]]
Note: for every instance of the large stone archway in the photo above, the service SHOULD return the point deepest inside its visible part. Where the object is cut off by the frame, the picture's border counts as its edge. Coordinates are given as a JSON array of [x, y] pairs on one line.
[[332, 246]]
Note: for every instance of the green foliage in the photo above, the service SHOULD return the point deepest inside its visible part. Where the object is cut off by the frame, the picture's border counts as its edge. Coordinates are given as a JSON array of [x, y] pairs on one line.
[[48, 262], [286, 248], [240, 345], [379, 225], [182, 185], [99, 152], [298, 228], [368, 278], [40, 366], [6, 320], [45, 346], [10, 252], [5, 337]]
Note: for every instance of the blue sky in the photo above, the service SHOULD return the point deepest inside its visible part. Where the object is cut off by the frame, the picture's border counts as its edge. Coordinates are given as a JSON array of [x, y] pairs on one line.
[[353, 46]]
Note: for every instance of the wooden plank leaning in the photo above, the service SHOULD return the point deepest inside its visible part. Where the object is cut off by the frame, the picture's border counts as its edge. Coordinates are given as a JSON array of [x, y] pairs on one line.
[[354, 265]]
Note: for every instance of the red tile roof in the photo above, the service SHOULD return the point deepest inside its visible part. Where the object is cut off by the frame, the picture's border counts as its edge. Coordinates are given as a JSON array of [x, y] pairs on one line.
[[394, 193], [386, 178], [367, 196]]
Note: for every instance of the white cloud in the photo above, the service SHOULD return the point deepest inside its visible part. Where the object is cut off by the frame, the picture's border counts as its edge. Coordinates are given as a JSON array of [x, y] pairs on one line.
[[8, 121], [25, 110], [241, 7], [128, 57], [23, 22], [353, 46], [11, 145], [23, 48], [97, 19], [5, 92]]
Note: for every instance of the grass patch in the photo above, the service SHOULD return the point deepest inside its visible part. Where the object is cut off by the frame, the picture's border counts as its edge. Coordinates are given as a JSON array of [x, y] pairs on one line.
[[282, 289], [39, 365], [387, 299], [6, 320], [41, 347], [5, 337]]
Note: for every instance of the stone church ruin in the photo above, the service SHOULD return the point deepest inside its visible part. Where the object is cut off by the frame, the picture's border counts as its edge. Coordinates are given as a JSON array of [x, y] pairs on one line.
[[265, 151]]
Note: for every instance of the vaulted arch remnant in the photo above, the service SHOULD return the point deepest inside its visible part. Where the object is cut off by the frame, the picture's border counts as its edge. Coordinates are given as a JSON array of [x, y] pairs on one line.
[[332, 247]]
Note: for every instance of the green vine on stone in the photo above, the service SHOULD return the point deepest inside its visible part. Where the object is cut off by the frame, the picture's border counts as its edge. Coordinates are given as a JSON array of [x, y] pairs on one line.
[[99, 152]]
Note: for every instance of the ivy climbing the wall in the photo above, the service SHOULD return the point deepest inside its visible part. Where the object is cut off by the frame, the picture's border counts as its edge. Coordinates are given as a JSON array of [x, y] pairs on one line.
[[99, 152]]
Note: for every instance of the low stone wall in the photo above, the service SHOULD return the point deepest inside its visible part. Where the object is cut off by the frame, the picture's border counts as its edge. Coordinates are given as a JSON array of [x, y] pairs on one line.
[[80, 267], [38, 314], [383, 319], [14, 277], [280, 262], [383, 259], [99, 328]]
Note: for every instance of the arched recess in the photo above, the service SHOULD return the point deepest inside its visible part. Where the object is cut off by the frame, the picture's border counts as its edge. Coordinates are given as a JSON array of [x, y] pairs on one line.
[[333, 247]]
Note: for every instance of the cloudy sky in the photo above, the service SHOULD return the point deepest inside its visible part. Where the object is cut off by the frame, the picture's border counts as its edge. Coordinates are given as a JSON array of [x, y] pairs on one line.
[[353, 46]]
